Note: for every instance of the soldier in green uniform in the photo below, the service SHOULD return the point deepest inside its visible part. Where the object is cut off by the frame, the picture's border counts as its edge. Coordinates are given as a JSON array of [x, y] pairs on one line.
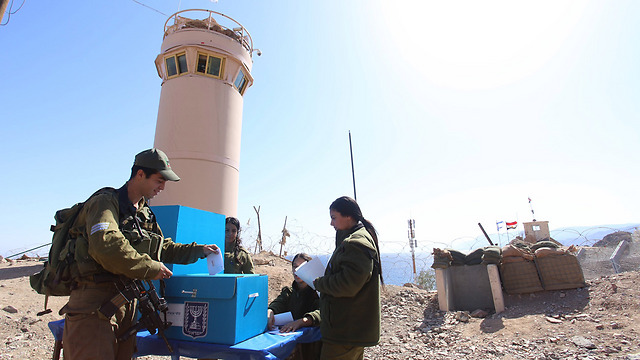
[[350, 287], [236, 258], [303, 303], [118, 234]]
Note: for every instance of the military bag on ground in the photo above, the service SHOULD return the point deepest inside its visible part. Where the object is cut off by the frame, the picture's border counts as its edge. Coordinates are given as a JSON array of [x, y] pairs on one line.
[[60, 271]]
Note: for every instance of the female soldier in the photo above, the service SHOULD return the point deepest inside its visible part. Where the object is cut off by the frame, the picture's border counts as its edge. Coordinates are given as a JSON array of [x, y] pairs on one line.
[[302, 301], [236, 259], [350, 287]]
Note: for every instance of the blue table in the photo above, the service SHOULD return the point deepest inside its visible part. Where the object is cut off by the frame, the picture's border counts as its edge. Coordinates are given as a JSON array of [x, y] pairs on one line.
[[263, 346]]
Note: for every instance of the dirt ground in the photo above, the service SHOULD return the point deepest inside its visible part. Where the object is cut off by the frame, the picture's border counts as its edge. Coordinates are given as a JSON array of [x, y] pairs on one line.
[[600, 321]]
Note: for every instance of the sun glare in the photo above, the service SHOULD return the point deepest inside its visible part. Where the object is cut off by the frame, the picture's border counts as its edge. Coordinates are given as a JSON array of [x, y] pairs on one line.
[[478, 44]]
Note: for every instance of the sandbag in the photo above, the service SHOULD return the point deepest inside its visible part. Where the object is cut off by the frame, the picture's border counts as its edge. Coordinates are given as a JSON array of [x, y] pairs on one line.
[[544, 243], [441, 259], [545, 251], [491, 255], [519, 276], [474, 257], [560, 272], [510, 250], [512, 259], [457, 257]]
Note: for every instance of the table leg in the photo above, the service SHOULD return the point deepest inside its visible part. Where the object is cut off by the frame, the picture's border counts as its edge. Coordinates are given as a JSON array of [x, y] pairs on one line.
[[56, 350]]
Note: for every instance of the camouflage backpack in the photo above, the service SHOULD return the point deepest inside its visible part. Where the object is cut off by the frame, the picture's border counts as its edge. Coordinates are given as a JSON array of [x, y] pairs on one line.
[[60, 271]]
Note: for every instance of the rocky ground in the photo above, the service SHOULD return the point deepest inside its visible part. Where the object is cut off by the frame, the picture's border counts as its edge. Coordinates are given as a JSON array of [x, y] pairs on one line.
[[600, 321]]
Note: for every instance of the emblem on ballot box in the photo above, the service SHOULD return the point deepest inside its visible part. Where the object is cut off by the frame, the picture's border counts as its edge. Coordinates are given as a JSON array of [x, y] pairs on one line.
[[196, 315]]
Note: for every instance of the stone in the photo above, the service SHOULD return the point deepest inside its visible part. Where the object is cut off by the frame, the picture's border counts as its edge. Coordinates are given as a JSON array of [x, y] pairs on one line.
[[10, 309], [479, 313], [553, 320], [462, 316], [583, 342]]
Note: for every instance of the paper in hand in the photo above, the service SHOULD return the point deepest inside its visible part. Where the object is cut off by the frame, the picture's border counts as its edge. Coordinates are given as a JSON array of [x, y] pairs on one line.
[[310, 270], [215, 263], [283, 318]]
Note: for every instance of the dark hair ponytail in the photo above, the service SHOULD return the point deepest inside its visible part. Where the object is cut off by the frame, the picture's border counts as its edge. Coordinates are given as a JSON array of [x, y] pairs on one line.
[[347, 206]]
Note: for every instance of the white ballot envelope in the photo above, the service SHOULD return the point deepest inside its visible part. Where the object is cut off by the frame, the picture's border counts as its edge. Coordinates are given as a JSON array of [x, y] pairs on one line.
[[310, 270], [215, 263], [283, 318]]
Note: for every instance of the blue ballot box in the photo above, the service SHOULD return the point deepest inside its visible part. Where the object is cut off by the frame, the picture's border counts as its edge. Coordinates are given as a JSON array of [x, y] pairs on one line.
[[186, 225], [219, 309]]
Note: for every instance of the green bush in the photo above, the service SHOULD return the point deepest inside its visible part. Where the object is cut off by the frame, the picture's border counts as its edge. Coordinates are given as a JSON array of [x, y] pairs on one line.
[[426, 279]]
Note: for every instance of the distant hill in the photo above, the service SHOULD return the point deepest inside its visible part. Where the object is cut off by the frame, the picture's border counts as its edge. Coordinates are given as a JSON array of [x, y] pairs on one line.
[[574, 235], [587, 235]]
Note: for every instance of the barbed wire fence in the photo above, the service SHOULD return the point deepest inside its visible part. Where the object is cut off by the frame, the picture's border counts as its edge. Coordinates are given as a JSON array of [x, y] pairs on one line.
[[398, 262]]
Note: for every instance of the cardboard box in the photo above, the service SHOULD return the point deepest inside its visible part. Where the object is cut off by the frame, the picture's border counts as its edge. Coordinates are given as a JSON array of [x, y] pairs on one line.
[[186, 225], [219, 309]]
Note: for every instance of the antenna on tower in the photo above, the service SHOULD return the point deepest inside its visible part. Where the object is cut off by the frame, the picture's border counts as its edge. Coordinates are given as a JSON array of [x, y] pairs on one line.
[[531, 207]]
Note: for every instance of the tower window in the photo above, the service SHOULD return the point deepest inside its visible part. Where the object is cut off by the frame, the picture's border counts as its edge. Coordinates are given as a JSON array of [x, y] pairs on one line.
[[176, 64], [210, 65], [241, 82], [171, 66], [182, 63]]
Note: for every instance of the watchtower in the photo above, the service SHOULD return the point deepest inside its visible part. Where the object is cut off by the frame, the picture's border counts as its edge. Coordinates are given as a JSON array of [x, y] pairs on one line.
[[536, 230], [205, 65]]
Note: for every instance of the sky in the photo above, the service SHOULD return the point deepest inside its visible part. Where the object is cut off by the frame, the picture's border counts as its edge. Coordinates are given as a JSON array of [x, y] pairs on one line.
[[459, 111]]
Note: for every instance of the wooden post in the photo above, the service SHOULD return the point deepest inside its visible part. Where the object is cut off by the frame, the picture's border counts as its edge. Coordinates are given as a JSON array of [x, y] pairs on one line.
[[285, 233], [441, 286], [496, 287], [259, 239]]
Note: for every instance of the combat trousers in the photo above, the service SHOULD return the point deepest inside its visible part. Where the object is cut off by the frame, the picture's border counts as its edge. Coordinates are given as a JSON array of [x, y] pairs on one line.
[[341, 352], [89, 335], [306, 351]]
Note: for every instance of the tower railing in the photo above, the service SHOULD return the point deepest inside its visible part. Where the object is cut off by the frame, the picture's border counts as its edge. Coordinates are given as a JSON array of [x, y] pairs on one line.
[[178, 22]]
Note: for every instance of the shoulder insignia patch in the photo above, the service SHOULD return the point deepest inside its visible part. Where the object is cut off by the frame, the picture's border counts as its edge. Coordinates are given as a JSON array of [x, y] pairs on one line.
[[99, 226]]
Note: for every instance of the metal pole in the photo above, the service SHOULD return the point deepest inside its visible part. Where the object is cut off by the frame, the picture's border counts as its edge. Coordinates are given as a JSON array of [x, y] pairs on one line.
[[26, 251], [412, 244], [353, 173], [485, 234], [532, 213]]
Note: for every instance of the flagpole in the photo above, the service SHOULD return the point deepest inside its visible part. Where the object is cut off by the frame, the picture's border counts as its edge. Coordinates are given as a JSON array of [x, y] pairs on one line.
[[532, 213]]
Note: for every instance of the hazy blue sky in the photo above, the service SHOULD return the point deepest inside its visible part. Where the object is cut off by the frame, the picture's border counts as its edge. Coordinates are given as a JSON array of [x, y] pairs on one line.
[[459, 111]]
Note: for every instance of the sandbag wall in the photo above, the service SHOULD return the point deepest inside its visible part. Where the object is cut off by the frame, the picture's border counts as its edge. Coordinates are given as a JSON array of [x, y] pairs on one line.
[[524, 267], [541, 266]]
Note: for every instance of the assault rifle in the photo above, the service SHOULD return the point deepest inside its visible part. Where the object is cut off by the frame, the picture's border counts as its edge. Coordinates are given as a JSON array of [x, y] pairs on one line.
[[149, 304]]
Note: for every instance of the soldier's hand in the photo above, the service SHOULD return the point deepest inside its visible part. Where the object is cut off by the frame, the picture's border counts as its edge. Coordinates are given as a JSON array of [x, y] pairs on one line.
[[164, 273], [212, 248], [270, 319], [294, 325]]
